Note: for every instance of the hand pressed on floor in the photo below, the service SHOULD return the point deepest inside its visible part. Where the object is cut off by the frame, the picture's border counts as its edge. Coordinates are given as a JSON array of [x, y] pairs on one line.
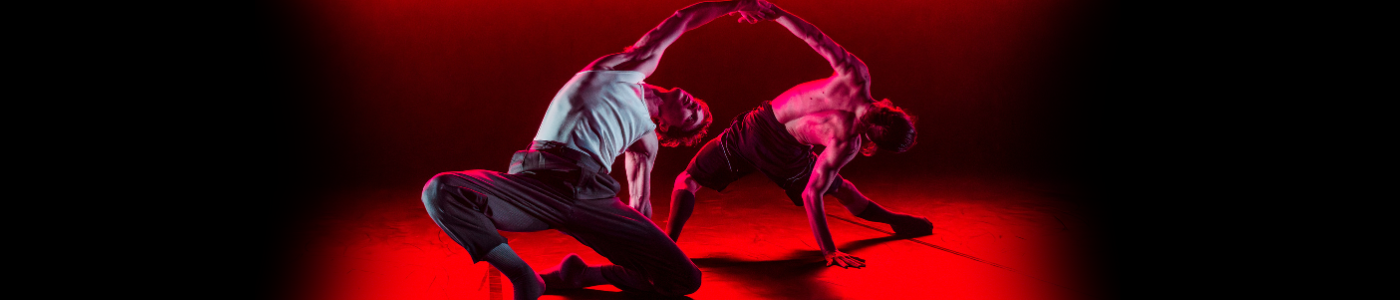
[[844, 260]]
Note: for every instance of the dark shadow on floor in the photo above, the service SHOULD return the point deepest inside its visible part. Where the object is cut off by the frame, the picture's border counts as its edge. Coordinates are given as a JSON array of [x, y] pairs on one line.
[[793, 277], [852, 246], [588, 294]]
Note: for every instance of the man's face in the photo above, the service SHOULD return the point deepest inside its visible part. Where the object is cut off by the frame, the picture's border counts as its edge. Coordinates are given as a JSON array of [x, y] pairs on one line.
[[682, 110]]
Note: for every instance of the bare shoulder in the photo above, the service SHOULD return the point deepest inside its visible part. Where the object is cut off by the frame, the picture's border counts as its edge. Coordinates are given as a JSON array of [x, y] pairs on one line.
[[804, 91], [802, 100], [848, 87], [621, 61]]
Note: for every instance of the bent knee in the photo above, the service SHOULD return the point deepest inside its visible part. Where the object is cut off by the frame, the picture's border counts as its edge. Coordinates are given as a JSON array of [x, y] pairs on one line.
[[432, 189], [684, 182], [843, 186], [844, 190]]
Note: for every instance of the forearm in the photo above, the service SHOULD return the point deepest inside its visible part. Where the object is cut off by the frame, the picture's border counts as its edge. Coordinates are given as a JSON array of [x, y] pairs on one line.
[[682, 205], [640, 192], [840, 60], [639, 183], [683, 20], [698, 14], [816, 218], [828, 164], [816, 208]]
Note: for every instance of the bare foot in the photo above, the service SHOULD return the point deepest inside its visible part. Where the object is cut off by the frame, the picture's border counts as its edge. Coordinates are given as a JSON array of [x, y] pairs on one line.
[[568, 274]]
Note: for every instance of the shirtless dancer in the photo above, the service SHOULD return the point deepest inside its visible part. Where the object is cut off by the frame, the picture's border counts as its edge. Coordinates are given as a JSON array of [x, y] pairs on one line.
[[777, 137], [561, 182]]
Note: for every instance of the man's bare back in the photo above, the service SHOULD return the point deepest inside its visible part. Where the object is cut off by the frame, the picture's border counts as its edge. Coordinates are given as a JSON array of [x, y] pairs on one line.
[[823, 112], [836, 112]]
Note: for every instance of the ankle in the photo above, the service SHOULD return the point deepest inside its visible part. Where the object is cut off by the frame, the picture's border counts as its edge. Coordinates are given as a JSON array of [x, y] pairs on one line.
[[527, 284], [528, 287]]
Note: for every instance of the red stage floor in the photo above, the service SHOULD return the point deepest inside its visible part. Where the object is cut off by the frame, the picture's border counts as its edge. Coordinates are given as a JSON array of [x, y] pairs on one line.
[[992, 240]]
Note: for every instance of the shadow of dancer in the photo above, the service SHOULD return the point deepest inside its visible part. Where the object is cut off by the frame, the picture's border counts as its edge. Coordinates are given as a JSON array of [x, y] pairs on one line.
[[591, 294], [793, 277]]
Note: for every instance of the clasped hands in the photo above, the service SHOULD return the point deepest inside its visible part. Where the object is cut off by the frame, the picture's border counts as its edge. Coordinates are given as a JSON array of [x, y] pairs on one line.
[[754, 11]]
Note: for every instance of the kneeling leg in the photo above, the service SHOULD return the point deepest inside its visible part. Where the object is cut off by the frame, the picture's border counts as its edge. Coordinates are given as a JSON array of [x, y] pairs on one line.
[[458, 203]]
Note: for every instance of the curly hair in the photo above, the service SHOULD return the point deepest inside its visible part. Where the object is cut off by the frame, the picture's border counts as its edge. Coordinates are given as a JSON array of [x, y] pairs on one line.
[[889, 127], [672, 137]]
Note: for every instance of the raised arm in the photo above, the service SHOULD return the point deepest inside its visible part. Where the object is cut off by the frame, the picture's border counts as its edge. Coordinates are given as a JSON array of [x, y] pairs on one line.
[[640, 157], [829, 163], [644, 55], [845, 63]]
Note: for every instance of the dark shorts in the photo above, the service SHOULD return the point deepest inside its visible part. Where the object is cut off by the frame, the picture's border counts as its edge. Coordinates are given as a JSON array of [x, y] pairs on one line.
[[756, 141]]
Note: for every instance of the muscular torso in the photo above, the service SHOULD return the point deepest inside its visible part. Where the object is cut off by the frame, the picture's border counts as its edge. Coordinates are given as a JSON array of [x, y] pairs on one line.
[[822, 112]]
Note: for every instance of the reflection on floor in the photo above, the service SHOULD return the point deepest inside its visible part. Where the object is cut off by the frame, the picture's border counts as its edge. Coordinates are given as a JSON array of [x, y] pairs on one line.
[[992, 240]]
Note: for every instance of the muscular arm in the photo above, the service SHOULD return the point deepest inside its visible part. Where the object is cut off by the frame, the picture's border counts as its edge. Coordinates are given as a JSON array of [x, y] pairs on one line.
[[829, 163], [640, 157], [644, 55], [847, 66]]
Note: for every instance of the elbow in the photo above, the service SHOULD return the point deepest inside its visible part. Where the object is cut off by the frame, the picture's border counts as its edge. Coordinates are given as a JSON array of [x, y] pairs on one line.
[[682, 14], [861, 71], [810, 198], [855, 68], [641, 157]]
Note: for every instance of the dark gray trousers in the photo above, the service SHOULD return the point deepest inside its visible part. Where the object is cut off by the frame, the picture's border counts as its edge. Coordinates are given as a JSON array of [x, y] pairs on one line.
[[553, 187]]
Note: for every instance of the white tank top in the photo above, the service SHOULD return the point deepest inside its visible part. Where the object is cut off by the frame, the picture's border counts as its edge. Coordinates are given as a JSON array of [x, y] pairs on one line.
[[598, 112]]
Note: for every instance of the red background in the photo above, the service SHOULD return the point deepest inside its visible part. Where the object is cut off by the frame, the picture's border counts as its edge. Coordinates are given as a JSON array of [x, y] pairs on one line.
[[388, 93], [400, 90]]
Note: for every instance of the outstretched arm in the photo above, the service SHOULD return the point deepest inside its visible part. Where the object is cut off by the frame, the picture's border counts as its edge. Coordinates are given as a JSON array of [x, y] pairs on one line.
[[828, 164], [682, 204], [646, 53], [846, 64], [640, 157]]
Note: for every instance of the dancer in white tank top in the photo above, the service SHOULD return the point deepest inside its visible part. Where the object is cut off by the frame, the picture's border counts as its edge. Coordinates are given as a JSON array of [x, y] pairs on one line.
[[562, 181]]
